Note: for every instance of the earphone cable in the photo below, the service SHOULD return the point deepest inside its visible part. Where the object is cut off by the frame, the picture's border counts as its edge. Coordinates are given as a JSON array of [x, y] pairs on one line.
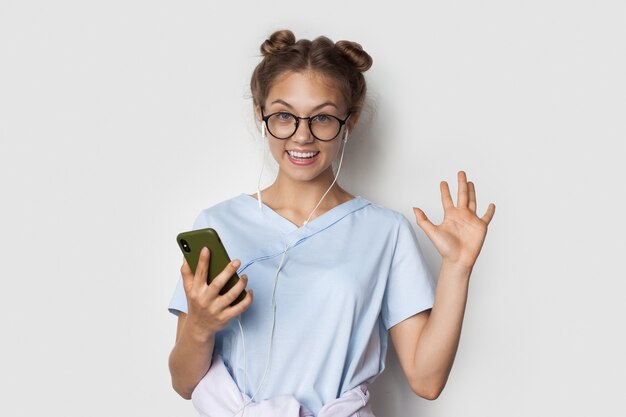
[[286, 248]]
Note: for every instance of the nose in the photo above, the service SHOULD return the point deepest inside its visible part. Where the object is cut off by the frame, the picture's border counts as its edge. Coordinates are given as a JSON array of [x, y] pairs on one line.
[[303, 133]]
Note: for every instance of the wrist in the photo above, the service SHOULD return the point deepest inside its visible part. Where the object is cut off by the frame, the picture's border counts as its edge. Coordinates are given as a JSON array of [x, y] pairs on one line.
[[455, 268], [198, 332]]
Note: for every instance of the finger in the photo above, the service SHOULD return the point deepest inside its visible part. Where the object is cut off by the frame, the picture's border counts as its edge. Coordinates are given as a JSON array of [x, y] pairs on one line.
[[222, 278], [462, 193], [202, 270], [472, 196], [489, 214], [240, 307], [187, 275], [232, 294], [446, 198], [423, 222]]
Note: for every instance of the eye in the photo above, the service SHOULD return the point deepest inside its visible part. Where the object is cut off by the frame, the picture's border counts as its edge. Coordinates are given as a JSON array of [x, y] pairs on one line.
[[323, 119], [284, 116]]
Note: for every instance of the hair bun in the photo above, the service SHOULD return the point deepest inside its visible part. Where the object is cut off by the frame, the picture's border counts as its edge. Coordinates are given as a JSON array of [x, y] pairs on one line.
[[279, 40], [355, 54]]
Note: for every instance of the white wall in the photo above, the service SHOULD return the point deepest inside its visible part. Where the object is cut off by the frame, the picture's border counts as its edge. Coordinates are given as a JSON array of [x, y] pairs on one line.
[[120, 120]]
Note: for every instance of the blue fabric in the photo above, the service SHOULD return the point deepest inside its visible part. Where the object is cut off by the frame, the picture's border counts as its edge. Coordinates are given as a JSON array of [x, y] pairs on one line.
[[348, 276]]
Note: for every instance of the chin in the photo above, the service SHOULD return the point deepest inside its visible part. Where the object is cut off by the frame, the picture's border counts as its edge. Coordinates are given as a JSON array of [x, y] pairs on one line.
[[302, 177]]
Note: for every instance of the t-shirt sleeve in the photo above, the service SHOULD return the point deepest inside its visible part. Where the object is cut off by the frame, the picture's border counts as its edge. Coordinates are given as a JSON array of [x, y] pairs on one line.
[[178, 302], [410, 286]]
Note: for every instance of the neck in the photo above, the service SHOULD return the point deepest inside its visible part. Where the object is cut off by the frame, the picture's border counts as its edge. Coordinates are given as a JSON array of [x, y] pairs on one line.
[[302, 196]]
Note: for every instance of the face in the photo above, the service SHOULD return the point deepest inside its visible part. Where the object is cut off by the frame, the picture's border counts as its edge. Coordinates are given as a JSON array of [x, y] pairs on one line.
[[302, 157]]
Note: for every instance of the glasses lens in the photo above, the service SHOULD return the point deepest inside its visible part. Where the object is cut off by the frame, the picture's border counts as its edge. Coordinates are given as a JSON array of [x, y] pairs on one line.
[[282, 125], [325, 127]]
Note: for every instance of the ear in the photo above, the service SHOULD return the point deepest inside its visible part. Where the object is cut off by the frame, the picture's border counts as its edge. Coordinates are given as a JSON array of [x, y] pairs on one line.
[[257, 114], [352, 121]]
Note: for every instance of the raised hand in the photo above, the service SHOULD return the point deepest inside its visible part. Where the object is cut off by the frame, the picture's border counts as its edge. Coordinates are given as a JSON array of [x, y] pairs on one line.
[[460, 237]]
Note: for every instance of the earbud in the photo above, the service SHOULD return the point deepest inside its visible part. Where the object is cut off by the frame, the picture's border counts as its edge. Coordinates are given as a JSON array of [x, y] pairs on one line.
[[258, 184], [345, 135]]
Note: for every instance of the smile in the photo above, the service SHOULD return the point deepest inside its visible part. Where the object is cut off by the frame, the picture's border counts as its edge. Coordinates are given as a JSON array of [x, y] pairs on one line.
[[302, 155]]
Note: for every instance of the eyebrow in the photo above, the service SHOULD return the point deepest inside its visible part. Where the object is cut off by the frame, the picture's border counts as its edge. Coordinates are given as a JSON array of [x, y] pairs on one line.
[[324, 104]]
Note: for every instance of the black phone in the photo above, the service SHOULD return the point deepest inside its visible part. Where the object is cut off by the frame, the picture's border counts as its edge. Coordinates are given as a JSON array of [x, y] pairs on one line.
[[192, 242]]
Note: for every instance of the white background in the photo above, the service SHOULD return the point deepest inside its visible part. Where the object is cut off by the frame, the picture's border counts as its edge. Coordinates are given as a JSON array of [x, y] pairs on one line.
[[121, 120]]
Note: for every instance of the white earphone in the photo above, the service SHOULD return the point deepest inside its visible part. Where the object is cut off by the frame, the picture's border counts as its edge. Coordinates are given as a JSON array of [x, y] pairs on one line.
[[282, 261]]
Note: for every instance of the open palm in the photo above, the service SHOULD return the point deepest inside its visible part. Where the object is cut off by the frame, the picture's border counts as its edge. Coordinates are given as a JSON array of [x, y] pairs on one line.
[[459, 238]]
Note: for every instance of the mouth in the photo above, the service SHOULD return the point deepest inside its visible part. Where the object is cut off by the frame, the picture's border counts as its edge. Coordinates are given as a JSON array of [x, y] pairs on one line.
[[302, 155], [302, 158]]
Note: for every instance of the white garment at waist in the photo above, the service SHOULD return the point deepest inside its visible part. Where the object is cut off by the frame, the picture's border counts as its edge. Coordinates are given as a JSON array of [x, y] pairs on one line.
[[217, 395]]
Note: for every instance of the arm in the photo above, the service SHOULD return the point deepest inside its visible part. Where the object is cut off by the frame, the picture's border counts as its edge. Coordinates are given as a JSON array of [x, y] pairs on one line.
[[190, 358], [426, 343], [209, 312]]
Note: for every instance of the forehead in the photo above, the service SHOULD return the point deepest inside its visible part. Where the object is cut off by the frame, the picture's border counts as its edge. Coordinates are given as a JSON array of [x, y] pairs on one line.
[[304, 90]]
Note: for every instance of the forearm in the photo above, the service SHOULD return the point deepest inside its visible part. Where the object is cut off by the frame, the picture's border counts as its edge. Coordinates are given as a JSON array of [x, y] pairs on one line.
[[438, 343], [190, 359]]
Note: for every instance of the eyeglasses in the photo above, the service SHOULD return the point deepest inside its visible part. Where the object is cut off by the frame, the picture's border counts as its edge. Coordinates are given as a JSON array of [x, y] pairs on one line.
[[282, 125]]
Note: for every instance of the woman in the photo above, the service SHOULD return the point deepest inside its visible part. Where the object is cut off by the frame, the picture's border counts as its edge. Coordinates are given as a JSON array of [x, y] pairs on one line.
[[329, 274]]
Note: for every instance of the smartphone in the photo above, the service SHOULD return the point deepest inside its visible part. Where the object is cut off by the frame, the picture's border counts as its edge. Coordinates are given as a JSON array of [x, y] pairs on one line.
[[192, 242]]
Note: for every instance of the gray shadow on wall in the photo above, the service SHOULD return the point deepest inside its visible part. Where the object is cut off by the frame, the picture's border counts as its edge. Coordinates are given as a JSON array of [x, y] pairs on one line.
[[390, 393], [362, 163]]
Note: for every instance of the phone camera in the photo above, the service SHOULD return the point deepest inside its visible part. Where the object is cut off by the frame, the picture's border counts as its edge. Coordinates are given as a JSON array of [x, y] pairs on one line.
[[185, 245]]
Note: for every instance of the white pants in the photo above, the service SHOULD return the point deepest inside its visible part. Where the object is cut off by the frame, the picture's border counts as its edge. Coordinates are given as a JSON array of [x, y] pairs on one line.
[[217, 395]]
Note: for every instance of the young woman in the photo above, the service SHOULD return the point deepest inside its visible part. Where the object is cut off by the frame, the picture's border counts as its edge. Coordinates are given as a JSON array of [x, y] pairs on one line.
[[329, 275]]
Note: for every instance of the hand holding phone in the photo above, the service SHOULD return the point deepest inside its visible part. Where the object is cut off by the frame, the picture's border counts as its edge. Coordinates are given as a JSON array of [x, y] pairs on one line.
[[215, 293]]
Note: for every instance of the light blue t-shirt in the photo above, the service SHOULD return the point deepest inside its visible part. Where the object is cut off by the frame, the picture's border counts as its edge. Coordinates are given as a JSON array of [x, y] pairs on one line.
[[349, 275]]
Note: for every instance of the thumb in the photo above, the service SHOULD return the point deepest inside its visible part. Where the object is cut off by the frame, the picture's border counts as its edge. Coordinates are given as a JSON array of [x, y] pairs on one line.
[[423, 222], [187, 276]]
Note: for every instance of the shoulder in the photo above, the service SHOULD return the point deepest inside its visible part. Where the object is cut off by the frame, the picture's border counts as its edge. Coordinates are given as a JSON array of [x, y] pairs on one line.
[[385, 216], [231, 207]]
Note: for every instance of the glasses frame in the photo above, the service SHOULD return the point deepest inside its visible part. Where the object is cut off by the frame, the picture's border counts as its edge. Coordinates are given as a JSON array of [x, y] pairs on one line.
[[342, 122]]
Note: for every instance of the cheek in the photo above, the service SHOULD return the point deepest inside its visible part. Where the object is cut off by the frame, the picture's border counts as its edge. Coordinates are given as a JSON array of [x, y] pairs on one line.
[[276, 149], [333, 151]]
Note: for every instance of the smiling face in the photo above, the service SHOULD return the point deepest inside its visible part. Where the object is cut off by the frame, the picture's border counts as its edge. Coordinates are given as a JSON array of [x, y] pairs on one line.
[[302, 157]]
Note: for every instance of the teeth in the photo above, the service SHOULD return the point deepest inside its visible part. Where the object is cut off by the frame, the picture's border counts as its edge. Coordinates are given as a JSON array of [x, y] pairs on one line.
[[302, 155]]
